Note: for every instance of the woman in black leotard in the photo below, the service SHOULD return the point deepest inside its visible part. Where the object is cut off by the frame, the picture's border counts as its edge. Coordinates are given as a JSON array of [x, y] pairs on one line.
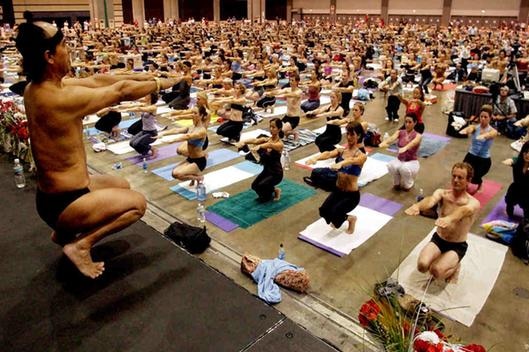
[[333, 133], [267, 150]]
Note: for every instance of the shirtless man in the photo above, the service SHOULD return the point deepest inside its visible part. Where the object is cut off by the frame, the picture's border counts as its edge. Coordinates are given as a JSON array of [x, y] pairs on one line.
[[458, 210], [80, 208], [293, 96]]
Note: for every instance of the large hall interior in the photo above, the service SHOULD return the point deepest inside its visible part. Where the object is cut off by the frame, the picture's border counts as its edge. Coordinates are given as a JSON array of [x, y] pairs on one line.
[[294, 107]]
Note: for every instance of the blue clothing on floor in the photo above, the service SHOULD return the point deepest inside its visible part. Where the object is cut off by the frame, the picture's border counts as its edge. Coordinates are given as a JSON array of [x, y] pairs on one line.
[[264, 275]]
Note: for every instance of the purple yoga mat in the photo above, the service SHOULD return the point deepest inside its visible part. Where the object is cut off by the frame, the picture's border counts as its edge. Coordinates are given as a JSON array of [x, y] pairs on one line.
[[437, 137], [498, 213], [379, 204], [164, 152], [322, 246], [222, 223]]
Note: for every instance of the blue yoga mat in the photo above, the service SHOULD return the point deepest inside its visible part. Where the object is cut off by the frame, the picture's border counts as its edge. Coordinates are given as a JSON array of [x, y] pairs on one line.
[[214, 158], [92, 131]]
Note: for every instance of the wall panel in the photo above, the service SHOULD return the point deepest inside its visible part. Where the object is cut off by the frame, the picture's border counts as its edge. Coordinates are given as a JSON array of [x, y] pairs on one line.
[[312, 6], [358, 7], [415, 7], [490, 8]]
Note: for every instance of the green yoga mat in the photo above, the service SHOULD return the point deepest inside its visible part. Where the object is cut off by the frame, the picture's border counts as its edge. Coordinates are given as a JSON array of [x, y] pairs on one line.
[[244, 210]]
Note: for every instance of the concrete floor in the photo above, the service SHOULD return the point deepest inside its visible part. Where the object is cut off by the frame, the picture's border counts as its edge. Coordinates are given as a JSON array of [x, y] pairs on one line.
[[341, 285]]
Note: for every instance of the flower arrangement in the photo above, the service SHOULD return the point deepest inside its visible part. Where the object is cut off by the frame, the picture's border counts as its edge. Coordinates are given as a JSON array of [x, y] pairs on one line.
[[403, 324], [14, 134]]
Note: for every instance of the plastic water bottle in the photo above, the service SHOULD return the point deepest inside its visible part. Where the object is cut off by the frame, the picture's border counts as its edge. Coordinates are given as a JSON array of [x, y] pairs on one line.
[[201, 192], [285, 160], [145, 166], [281, 253], [20, 180], [386, 136], [420, 195], [201, 213]]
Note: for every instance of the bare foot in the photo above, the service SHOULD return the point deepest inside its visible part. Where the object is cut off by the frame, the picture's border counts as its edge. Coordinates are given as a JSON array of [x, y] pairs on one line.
[[277, 194], [154, 152], [200, 178], [352, 222], [82, 260], [192, 183]]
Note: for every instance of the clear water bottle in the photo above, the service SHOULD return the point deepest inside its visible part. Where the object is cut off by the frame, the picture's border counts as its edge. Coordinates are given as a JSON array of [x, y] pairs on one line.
[[285, 160], [20, 180], [386, 136], [201, 192], [145, 166], [420, 195], [201, 213], [281, 252]]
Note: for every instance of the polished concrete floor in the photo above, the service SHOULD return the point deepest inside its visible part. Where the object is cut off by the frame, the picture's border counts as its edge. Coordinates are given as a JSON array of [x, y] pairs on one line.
[[341, 285]]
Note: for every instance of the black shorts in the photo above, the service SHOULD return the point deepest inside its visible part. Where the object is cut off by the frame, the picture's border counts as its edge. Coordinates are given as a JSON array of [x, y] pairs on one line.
[[51, 205], [200, 162], [444, 246], [293, 120]]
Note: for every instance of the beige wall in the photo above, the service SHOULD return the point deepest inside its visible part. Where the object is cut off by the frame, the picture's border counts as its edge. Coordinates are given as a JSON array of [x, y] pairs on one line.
[[491, 8], [358, 7], [415, 7], [312, 6], [19, 6]]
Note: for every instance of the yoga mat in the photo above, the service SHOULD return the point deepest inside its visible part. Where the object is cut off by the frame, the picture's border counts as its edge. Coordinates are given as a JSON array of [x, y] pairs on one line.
[[218, 179], [244, 210], [430, 144], [498, 212], [370, 220], [164, 152], [463, 300], [123, 124], [446, 86], [123, 147], [305, 137], [221, 222], [279, 111], [488, 191], [214, 158]]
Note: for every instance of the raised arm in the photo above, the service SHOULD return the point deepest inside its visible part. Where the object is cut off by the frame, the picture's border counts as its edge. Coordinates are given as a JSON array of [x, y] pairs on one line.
[[323, 156]]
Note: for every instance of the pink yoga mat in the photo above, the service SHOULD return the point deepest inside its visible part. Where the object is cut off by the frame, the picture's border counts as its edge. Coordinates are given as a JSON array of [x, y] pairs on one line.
[[488, 190]]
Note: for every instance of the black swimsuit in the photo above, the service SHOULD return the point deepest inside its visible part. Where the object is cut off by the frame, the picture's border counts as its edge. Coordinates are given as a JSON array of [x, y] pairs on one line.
[[51, 205]]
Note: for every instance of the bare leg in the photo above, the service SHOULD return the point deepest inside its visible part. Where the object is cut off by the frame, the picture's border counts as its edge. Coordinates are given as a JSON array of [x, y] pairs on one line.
[[351, 219], [154, 152], [428, 255], [96, 215], [187, 171], [445, 266]]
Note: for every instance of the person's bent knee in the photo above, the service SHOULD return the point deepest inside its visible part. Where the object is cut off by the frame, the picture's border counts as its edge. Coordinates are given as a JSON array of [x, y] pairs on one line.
[[422, 266], [177, 175], [437, 272]]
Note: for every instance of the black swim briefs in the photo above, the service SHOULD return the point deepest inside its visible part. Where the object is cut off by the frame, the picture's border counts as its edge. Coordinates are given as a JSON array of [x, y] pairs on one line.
[[444, 246]]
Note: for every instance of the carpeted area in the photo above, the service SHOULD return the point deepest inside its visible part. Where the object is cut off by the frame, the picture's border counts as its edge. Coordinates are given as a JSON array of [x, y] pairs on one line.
[[152, 297]]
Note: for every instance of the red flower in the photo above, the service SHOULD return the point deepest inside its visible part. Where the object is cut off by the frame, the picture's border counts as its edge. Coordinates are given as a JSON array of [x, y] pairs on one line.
[[474, 348], [368, 313]]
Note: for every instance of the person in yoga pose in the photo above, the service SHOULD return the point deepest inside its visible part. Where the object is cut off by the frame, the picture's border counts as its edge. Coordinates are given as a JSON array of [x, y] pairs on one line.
[[346, 196], [191, 168], [293, 97], [458, 210], [333, 112], [81, 208], [479, 154], [405, 167], [518, 192], [233, 127], [267, 151]]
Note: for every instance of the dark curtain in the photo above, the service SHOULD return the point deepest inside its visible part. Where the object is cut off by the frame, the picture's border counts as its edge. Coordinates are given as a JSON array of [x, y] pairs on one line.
[[233, 8], [276, 9], [196, 9], [127, 11], [154, 10]]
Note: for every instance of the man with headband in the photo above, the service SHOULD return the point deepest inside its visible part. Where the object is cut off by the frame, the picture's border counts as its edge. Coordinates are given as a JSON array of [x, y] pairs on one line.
[[80, 208]]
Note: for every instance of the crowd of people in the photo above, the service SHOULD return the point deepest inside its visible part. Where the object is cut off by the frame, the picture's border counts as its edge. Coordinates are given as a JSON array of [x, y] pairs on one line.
[[240, 69]]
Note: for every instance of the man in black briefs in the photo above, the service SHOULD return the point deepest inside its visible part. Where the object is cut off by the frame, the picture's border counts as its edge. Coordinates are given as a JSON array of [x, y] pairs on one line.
[[457, 212], [80, 208]]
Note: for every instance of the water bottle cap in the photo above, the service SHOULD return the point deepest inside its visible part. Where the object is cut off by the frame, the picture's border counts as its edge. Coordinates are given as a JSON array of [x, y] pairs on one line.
[[17, 161], [281, 245]]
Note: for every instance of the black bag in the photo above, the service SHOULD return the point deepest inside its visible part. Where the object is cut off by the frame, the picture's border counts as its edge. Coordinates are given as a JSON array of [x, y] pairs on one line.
[[453, 131], [372, 139], [520, 241], [193, 239]]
